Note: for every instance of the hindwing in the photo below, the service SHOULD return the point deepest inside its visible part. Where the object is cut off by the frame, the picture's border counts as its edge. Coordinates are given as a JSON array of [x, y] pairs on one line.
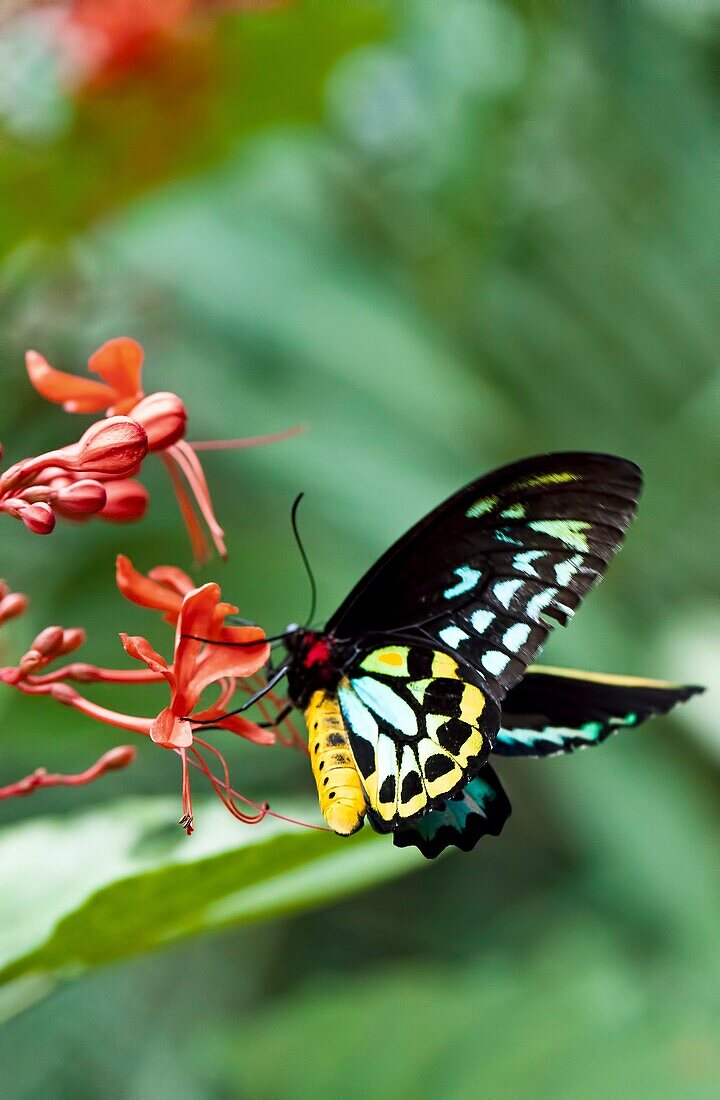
[[419, 723], [480, 809], [556, 710]]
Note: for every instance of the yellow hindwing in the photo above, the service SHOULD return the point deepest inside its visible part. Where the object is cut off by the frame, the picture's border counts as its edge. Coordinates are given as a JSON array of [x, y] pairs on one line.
[[340, 791]]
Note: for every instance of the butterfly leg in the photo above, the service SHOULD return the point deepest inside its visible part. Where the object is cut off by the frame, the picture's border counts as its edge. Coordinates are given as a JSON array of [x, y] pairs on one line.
[[340, 791]]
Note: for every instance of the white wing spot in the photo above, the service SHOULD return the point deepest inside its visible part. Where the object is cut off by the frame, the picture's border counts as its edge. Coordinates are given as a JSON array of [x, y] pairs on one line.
[[494, 661], [516, 636], [481, 620], [452, 636], [505, 590]]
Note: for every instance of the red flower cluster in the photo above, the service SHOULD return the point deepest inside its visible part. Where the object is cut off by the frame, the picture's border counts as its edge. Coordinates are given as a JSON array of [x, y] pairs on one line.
[[96, 475], [195, 667]]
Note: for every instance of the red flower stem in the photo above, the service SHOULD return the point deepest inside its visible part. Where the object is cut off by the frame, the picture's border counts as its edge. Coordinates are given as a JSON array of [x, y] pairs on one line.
[[109, 761], [193, 471], [71, 698], [219, 786], [247, 441], [263, 809], [86, 674]]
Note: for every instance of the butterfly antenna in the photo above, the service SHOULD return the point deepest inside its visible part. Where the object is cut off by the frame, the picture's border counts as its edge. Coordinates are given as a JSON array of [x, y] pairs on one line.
[[246, 622], [303, 555], [274, 679]]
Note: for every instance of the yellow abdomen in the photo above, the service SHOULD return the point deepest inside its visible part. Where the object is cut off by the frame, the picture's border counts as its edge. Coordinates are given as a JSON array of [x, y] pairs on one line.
[[342, 800]]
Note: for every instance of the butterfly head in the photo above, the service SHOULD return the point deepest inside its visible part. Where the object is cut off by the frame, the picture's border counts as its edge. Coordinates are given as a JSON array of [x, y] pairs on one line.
[[313, 666]]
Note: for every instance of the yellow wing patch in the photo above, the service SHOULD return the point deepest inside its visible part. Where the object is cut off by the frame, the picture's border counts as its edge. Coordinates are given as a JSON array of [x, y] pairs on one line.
[[391, 660]]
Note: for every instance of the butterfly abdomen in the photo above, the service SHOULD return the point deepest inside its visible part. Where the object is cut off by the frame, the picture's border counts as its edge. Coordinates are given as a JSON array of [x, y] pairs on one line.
[[342, 800]]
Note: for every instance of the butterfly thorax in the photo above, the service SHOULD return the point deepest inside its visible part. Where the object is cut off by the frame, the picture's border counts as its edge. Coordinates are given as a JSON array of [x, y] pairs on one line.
[[316, 664]]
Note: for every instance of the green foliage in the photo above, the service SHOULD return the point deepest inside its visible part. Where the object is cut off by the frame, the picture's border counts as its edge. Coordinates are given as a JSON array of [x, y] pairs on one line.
[[176, 116], [139, 885]]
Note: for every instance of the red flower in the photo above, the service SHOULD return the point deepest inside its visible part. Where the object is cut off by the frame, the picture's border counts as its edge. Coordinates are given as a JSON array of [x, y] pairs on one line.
[[117, 362], [69, 481], [162, 415], [197, 665]]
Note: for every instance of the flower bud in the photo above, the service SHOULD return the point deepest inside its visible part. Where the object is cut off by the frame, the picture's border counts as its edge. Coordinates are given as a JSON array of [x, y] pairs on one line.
[[82, 498], [11, 606], [38, 518], [112, 448], [49, 641], [72, 639], [117, 758], [126, 502], [44, 649], [164, 418]]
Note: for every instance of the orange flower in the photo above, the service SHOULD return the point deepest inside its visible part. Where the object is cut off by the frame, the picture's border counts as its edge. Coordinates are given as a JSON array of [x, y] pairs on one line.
[[163, 589], [117, 362], [162, 415], [195, 667]]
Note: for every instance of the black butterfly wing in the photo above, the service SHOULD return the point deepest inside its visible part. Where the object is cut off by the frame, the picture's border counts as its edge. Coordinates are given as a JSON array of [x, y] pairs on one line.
[[480, 809], [419, 723], [480, 575], [556, 710]]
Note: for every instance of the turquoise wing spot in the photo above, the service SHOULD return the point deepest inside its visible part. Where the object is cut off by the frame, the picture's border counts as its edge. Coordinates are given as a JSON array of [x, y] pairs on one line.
[[386, 703], [494, 661], [357, 716], [481, 809], [538, 603], [482, 619], [468, 580]]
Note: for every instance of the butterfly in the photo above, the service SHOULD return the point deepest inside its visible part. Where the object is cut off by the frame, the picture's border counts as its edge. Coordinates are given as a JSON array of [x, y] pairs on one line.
[[426, 668]]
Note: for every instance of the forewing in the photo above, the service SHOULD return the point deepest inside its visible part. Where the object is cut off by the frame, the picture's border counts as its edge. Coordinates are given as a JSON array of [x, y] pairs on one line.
[[419, 724], [481, 575], [480, 809], [555, 710]]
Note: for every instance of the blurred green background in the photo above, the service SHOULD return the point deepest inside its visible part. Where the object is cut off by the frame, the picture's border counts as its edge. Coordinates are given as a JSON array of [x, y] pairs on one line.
[[442, 235]]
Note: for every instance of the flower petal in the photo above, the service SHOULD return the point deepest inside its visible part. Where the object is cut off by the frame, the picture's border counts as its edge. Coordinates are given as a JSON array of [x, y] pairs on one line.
[[172, 577], [221, 661], [126, 501], [79, 395], [140, 649], [196, 618], [247, 729], [170, 731], [148, 591], [119, 363]]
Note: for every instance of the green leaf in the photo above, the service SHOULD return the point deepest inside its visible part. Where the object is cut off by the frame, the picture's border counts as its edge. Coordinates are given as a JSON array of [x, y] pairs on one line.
[[121, 880]]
